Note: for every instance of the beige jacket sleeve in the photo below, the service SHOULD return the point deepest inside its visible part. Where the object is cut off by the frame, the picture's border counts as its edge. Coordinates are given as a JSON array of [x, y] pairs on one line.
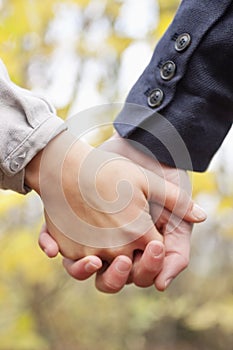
[[27, 123]]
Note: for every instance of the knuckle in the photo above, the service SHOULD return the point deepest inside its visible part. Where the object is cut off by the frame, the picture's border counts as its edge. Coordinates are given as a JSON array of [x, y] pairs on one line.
[[107, 286], [111, 286]]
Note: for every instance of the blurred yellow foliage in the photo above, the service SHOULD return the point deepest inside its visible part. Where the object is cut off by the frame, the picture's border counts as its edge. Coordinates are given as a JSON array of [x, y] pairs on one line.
[[165, 21], [113, 9], [25, 334], [213, 314], [119, 44], [20, 254], [204, 182], [225, 204], [9, 200], [18, 19], [167, 9], [82, 3]]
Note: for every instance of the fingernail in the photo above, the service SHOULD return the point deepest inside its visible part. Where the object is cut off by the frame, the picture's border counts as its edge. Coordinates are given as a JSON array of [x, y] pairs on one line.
[[168, 282], [122, 266], [156, 249], [91, 267], [199, 213]]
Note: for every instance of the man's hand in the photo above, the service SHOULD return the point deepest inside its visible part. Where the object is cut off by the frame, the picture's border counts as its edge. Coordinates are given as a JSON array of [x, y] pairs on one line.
[[175, 229]]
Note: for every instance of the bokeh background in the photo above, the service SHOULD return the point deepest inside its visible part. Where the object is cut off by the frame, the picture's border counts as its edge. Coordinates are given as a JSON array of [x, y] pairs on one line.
[[80, 54]]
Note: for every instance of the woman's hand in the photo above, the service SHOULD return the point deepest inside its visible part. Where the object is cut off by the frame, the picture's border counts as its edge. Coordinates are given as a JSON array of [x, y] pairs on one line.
[[147, 264]]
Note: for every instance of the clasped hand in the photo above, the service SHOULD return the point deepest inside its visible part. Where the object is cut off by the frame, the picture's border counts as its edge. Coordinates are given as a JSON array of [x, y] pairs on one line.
[[123, 221]]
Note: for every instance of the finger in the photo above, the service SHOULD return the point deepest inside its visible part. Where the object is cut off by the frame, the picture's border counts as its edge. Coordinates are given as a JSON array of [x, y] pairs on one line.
[[113, 279], [173, 198], [174, 264], [162, 218], [148, 265], [47, 243], [83, 268], [177, 243]]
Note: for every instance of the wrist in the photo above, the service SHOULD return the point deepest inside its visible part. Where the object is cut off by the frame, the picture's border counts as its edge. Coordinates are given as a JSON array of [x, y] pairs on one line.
[[32, 172], [54, 152]]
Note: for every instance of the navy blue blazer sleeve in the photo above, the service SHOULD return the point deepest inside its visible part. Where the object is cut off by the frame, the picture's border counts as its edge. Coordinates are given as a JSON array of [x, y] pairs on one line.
[[189, 82]]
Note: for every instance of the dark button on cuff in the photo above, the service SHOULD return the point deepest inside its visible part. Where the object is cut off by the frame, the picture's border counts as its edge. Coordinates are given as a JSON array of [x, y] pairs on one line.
[[155, 98], [167, 71], [182, 42]]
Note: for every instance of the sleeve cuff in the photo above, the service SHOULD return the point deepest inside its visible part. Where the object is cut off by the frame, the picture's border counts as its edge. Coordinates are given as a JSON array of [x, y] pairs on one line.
[[14, 183], [12, 173]]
